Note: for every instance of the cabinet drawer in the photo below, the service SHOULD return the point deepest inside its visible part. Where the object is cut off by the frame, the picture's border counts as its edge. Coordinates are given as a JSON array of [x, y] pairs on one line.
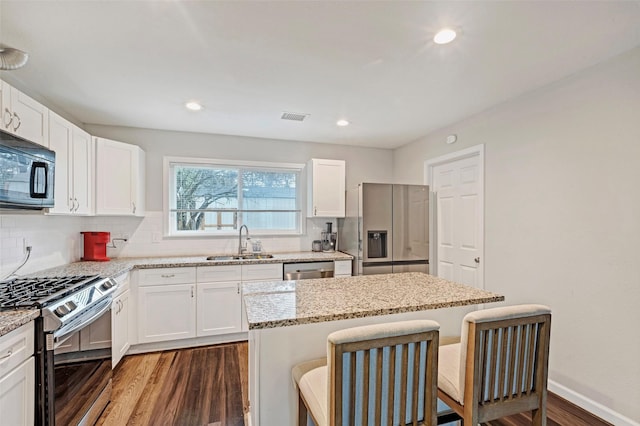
[[342, 267], [159, 276], [207, 274], [262, 271], [15, 347]]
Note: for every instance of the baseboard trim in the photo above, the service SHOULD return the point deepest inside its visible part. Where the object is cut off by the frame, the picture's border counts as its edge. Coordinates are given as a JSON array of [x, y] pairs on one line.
[[605, 413]]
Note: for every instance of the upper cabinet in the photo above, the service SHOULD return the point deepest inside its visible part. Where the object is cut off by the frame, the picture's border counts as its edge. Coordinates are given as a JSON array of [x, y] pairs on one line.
[[120, 178], [326, 188], [24, 117], [74, 167]]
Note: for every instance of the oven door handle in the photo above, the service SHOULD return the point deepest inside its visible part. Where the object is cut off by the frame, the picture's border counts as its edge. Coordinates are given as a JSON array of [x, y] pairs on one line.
[[82, 321]]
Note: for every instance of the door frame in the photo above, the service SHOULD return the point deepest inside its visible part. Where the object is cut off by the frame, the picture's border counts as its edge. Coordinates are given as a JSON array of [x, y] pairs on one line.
[[429, 166]]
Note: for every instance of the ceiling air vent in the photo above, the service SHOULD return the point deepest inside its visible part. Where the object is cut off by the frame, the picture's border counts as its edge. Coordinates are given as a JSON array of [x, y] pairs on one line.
[[295, 116]]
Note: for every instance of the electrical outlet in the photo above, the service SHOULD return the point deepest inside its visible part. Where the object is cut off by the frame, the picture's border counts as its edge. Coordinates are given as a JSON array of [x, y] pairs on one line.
[[126, 236], [156, 237], [25, 244]]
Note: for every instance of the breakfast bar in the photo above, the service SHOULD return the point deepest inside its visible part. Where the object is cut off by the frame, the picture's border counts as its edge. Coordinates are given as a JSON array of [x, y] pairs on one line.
[[289, 322]]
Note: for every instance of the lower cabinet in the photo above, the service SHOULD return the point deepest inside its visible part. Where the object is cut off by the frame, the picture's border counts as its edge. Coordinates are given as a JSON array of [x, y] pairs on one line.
[[182, 303], [120, 322], [219, 301], [218, 308], [166, 312], [17, 377]]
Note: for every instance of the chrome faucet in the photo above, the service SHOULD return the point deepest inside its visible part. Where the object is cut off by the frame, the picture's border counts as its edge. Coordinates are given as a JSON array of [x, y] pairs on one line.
[[242, 248]]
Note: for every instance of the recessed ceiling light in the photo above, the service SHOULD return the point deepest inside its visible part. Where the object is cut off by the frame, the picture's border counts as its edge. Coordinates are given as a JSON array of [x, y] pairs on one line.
[[193, 106], [444, 36], [342, 123]]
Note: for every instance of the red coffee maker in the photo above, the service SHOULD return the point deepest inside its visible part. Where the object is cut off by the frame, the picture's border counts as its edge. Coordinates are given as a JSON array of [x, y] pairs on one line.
[[95, 246]]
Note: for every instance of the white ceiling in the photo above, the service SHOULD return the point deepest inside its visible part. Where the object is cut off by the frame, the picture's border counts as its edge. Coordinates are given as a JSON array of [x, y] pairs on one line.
[[135, 63]]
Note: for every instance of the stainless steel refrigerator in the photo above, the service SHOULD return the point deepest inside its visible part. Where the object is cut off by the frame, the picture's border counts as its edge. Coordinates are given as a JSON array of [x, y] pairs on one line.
[[386, 228]]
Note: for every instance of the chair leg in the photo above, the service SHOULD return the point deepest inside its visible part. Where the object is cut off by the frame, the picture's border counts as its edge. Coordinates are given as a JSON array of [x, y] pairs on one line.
[[302, 412], [539, 417]]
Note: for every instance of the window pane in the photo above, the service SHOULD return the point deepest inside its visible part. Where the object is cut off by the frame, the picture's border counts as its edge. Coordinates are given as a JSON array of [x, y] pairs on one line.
[[268, 190], [201, 187]]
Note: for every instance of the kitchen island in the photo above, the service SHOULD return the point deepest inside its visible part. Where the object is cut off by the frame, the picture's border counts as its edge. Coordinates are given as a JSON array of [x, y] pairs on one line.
[[289, 322]]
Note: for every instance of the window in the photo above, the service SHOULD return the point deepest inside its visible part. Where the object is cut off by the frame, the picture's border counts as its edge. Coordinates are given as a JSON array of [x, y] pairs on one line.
[[216, 197]]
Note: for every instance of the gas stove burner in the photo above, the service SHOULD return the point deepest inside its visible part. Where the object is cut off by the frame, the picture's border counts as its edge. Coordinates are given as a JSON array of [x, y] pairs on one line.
[[39, 292]]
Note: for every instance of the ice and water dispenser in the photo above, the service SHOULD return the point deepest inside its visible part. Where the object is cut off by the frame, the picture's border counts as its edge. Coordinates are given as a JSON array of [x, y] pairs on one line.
[[376, 244]]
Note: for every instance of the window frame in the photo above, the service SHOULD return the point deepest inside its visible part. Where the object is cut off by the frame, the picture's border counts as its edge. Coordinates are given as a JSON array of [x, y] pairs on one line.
[[168, 196]]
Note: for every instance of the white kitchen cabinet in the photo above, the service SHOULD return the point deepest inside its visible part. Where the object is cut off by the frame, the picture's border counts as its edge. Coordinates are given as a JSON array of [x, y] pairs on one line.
[[120, 320], [326, 188], [219, 301], [120, 178], [342, 268], [74, 167], [23, 116], [166, 312], [166, 304], [219, 308], [120, 311], [17, 376]]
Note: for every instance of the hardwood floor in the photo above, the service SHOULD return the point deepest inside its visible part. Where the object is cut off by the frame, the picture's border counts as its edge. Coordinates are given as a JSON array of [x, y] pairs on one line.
[[200, 386], [209, 386]]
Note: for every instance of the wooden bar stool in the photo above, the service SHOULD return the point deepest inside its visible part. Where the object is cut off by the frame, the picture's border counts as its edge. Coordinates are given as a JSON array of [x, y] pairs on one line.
[[383, 374], [500, 366]]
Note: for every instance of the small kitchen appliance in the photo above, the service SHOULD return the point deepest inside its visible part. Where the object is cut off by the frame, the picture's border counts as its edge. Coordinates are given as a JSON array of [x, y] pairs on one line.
[[95, 246], [316, 245], [329, 239]]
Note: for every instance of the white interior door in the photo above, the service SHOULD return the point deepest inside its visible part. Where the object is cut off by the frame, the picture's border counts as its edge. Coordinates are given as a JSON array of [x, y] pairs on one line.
[[458, 184]]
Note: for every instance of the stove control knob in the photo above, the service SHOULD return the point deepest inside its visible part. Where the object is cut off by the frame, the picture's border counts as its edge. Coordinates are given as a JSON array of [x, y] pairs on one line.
[[106, 285], [71, 305], [61, 310]]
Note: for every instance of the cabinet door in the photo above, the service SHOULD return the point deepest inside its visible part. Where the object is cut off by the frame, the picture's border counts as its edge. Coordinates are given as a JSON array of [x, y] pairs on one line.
[[166, 312], [17, 398], [60, 141], [326, 197], [82, 160], [32, 118], [218, 308], [114, 177], [120, 327]]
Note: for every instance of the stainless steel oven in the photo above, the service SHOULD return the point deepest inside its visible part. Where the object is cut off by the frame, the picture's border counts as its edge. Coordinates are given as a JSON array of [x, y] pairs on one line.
[[73, 345]]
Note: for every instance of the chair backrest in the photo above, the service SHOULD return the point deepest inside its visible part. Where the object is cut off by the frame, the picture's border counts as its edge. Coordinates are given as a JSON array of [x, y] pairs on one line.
[[384, 374], [507, 356]]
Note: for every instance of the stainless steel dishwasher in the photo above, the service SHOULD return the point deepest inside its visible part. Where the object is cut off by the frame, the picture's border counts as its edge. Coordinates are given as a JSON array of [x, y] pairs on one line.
[[307, 270]]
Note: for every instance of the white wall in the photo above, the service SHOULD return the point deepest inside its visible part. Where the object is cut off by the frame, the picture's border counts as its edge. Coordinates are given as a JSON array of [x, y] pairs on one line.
[[362, 164], [562, 218]]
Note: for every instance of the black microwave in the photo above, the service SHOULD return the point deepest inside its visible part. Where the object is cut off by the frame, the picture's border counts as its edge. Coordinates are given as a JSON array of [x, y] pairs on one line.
[[26, 173]]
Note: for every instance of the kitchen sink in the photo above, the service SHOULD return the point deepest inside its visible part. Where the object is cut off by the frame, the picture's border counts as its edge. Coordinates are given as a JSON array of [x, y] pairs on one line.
[[240, 257]]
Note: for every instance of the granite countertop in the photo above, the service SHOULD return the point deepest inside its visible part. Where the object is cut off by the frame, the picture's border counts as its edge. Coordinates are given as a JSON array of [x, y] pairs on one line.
[[10, 320], [283, 303], [118, 266]]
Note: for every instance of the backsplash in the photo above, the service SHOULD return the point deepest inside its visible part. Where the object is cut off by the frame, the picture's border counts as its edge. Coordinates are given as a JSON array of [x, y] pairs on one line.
[[56, 240]]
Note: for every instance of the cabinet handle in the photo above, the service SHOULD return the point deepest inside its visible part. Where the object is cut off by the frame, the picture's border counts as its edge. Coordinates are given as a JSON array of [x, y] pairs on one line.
[[7, 115], [315, 211], [238, 288], [76, 204], [192, 291], [134, 207], [168, 275], [15, 128], [8, 355], [72, 205]]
